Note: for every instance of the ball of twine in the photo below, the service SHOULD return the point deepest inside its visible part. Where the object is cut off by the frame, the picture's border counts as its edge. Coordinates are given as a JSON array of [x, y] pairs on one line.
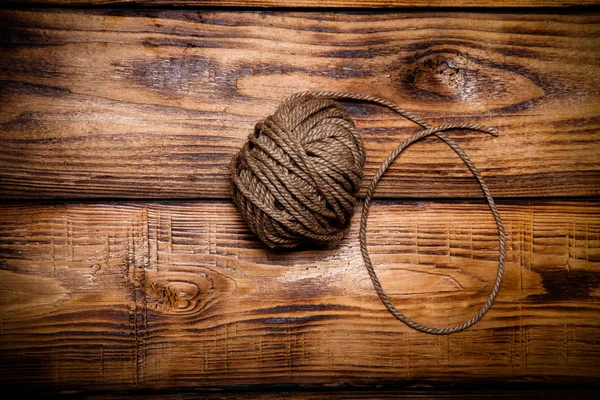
[[296, 177], [295, 180]]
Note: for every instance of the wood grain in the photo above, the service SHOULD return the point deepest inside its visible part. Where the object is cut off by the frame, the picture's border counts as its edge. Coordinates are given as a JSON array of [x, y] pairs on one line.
[[117, 296], [378, 394], [153, 104], [321, 4]]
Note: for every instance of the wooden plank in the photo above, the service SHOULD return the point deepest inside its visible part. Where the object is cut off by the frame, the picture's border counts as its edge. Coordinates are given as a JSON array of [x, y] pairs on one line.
[[154, 104], [321, 4], [115, 296], [571, 393]]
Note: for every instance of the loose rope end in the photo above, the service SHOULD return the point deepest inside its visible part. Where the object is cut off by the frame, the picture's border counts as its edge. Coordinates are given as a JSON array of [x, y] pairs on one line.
[[493, 132]]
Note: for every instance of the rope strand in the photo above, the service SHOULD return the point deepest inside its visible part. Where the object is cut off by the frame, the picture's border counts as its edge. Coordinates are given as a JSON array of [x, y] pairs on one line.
[[437, 131], [288, 192]]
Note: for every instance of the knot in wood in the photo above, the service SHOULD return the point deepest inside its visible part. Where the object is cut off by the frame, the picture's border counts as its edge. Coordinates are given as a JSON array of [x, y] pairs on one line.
[[296, 177]]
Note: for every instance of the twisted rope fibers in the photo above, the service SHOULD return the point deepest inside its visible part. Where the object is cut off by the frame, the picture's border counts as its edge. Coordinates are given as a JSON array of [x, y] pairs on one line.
[[295, 180]]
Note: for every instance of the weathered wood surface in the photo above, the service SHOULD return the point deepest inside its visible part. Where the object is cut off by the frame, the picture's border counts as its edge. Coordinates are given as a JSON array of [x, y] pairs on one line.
[[154, 103], [162, 295], [321, 4], [457, 393]]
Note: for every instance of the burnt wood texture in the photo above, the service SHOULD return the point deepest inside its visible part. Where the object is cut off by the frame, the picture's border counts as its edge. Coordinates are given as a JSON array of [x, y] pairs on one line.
[[124, 266], [171, 295], [351, 4], [385, 394], [155, 103]]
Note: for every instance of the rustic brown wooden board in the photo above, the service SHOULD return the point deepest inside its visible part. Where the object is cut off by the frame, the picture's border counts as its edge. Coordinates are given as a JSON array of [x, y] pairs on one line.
[[322, 4], [149, 295], [154, 103], [457, 393]]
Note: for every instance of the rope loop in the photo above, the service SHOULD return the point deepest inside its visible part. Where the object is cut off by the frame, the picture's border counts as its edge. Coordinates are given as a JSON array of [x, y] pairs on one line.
[[296, 178], [427, 131]]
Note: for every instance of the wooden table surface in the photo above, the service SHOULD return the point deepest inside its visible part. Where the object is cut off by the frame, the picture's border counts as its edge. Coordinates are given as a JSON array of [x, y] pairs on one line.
[[124, 265]]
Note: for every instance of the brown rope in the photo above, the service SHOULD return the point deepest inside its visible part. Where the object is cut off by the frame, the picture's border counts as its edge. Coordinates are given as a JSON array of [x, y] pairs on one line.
[[296, 177]]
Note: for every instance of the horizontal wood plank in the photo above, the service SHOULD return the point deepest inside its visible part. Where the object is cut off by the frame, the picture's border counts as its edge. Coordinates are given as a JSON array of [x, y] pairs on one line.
[[466, 394], [320, 4], [153, 104], [168, 295]]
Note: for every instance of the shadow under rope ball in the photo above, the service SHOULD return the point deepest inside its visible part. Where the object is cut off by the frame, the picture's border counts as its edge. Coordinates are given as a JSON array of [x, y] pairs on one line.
[[296, 178]]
